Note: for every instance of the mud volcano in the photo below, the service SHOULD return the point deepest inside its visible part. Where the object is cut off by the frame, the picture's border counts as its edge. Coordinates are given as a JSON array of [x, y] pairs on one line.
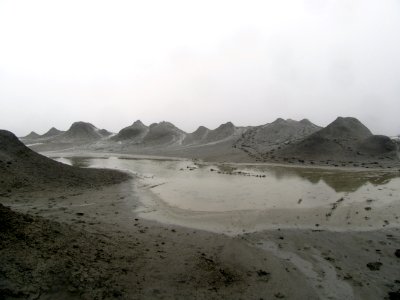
[[345, 139], [135, 132], [163, 133]]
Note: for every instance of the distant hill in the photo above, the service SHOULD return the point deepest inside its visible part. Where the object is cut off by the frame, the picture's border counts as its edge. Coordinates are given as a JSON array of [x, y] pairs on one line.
[[51, 133], [34, 137], [204, 135], [223, 132], [260, 139], [212, 145], [345, 139], [31, 136], [196, 137], [166, 139], [135, 132], [163, 133], [345, 128], [83, 132], [105, 132]]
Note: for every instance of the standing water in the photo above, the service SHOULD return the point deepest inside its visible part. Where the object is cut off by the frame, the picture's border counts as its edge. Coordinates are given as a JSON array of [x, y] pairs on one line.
[[234, 198]]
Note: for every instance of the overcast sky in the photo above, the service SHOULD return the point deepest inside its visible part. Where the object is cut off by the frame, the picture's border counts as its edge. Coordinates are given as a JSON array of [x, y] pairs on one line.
[[198, 62]]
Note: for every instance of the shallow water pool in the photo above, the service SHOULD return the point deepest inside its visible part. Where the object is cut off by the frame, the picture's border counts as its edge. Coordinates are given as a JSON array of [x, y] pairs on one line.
[[237, 198]]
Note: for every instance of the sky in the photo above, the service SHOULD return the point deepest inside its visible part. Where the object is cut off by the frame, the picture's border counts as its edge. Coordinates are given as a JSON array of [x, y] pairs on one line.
[[198, 62]]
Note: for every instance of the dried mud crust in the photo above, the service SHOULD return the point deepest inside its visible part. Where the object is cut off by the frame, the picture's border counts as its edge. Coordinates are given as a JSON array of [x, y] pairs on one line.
[[41, 257]]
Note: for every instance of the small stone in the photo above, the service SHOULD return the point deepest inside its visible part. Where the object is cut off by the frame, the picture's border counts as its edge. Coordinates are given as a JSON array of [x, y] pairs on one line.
[[397, 253], [374, 266], [262, 273], [279, 295]]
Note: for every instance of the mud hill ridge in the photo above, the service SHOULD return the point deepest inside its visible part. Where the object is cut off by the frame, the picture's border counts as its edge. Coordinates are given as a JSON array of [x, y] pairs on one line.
[[346, 139]]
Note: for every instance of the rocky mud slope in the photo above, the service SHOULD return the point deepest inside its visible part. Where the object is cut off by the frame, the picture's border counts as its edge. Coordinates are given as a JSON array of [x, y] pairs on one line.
[[23, 169]]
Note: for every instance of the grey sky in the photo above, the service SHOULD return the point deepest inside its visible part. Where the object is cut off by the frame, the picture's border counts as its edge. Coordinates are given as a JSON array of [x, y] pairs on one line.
[[198, 62]]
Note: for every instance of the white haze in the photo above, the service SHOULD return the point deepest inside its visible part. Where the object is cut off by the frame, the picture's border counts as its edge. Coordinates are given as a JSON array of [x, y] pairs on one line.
[[198, 62]]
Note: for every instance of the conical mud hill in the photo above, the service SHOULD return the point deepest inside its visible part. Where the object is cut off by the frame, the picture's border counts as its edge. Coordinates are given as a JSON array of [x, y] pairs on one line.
[[260, 139], [163, 133], [196, 137], [82, 131], [31, 136], [345, 139], [52, 132], [136, 131]]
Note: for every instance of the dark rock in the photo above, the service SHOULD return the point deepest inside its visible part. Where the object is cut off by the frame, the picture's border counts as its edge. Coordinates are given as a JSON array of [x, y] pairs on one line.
[[262, 273], [394, 295], [397, 253], [374, 266]]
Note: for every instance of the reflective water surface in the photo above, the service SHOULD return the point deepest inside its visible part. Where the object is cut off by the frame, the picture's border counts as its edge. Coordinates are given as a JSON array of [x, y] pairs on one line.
[[243, 198]]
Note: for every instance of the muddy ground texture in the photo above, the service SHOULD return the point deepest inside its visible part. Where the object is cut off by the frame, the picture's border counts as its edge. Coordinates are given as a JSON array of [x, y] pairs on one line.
[[73, 234], [61, 245], [68, 251]]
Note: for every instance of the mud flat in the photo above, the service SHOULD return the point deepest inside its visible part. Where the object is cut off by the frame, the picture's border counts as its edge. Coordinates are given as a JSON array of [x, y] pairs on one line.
[[330, 226], [180, 229], [91, 245]]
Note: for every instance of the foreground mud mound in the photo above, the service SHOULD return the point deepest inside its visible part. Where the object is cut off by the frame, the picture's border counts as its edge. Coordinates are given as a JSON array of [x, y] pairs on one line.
[[41, 259], [20, 168]]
